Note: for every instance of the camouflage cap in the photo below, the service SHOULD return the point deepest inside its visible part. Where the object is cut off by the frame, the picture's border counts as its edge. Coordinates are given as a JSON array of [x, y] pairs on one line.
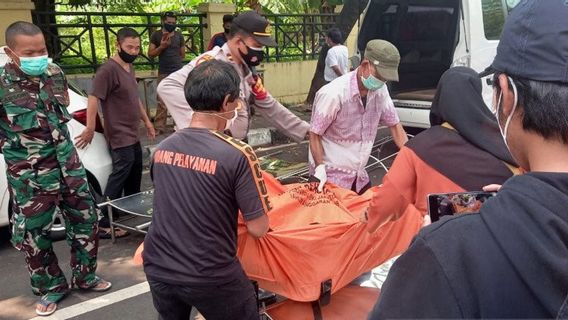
[[384, 56]]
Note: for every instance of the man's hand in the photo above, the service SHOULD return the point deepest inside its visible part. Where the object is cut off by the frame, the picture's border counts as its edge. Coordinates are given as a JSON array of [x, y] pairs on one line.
[[258, 89], [85, 138], [321, 175], [151, 131], [165, 42], [492, 188]]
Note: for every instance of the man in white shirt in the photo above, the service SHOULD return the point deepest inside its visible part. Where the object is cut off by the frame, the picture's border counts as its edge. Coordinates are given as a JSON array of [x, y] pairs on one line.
[[336, 61]]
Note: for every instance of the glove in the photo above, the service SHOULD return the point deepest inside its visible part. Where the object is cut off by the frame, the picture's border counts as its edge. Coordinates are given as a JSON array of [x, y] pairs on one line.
[[258, 89], [321, 175]]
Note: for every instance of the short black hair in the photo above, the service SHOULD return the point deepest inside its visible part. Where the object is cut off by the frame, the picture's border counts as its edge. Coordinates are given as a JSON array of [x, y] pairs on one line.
[[544, 106], [228, 18], [20, 28], [168, 14], [208, 84], [126, 33], [334, 34]]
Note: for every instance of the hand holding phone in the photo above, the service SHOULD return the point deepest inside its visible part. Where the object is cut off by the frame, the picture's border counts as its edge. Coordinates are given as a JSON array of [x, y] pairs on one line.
[[447, 204]]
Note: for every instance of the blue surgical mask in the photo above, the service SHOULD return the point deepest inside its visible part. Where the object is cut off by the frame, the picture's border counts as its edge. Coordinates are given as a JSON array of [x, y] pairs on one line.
[[34, 66], [372, 83]]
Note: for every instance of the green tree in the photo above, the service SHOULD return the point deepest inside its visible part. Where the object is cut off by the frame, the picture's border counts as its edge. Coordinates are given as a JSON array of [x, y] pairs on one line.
[[350, 13]]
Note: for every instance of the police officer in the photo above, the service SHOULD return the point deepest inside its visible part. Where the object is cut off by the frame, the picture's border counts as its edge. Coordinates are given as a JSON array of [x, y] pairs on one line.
[[250, 32], [43, 169]]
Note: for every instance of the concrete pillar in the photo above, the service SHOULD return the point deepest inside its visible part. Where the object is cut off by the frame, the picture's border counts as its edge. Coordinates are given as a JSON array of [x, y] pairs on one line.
[[12, 11], [214, 19]]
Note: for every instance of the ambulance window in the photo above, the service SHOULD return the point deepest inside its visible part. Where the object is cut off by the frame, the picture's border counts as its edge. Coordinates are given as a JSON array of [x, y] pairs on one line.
[[493, 18]]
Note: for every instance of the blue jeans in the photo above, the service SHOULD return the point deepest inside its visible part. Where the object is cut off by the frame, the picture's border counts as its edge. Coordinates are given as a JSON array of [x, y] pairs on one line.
[[235, 300]]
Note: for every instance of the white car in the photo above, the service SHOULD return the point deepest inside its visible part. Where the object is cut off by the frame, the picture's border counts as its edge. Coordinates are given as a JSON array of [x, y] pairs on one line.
[[95, 157], [433, 36]]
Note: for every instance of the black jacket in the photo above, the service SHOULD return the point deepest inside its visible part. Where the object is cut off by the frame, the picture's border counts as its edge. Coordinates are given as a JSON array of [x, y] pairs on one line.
[[508, 261]]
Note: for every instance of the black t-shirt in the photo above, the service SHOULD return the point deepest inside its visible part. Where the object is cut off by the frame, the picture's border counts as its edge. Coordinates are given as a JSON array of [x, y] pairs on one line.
[[170, 60], [201, 181]]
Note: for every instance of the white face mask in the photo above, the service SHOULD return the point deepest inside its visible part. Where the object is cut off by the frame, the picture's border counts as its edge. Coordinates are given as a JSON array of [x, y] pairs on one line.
[[228, 122], [510, 117]]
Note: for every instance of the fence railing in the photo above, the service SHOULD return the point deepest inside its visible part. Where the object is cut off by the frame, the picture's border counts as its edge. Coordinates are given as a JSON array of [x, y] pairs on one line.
[[299, 36], [81, 41]]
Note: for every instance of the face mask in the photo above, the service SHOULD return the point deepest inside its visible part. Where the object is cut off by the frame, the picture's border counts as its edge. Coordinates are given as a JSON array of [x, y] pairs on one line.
[[229, 122], [126, 57], [372, 83], [508, 121], [254, 56], [227, 30], [169, 27], [34, 66]]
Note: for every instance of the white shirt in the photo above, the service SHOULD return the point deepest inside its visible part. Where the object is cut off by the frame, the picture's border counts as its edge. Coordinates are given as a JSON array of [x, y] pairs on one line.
[[336, 56]]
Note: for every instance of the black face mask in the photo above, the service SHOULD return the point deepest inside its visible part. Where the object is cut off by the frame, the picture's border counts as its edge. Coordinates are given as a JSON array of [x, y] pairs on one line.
[[227, 30], [126, 57], [253, 58], [169, 27]]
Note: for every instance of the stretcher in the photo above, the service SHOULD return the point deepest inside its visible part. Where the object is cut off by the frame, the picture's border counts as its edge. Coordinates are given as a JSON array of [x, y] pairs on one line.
[[317, 246]]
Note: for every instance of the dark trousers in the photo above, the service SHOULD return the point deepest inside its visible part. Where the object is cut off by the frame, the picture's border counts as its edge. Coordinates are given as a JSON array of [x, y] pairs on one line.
[[126, 175], [232, 301]]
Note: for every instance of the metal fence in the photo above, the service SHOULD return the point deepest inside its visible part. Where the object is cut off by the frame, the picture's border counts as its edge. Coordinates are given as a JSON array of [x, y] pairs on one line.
[[299, 36], [81, 41]]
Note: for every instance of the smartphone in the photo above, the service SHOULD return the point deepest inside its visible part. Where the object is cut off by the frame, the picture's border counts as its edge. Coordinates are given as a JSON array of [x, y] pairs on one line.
[[448, 204]]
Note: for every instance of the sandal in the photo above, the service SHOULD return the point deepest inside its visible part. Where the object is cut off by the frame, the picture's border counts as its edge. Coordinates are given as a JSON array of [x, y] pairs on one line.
[[97, 285], [104, 233], [47, 301]]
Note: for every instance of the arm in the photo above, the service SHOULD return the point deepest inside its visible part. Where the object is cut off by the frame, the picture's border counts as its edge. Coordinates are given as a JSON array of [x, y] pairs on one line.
[[258, 227], [250, 192], [157, 45], [171, 92], [412, 292], [399, 135], [276, 114], [144, 117], [316, 148], [154, 51], [85, 138], [397, 191], [337, 70]]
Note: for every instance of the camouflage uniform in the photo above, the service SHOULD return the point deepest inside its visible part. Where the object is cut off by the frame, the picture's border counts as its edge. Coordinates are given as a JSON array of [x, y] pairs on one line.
[[44, 172]]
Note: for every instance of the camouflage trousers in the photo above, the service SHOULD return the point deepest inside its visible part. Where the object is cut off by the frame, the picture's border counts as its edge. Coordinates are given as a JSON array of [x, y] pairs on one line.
[[55, 181], [31, 236]]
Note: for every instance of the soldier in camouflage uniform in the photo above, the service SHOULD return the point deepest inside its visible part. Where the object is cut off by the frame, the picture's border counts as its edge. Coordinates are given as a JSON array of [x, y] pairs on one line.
[[44, 170]]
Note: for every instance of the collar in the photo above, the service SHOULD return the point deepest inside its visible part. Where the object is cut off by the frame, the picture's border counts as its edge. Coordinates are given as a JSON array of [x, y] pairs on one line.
[[246, 71], [354, 86], [14, 74]]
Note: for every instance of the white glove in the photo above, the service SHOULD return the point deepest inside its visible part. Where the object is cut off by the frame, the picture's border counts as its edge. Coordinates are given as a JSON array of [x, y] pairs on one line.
[[321, 175]]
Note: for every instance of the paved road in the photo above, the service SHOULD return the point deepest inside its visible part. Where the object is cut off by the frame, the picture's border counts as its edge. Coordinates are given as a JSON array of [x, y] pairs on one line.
[[129, 298]]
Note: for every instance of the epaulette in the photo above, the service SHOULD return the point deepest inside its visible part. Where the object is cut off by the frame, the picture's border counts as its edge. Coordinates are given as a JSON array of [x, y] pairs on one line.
[[204, 58]]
